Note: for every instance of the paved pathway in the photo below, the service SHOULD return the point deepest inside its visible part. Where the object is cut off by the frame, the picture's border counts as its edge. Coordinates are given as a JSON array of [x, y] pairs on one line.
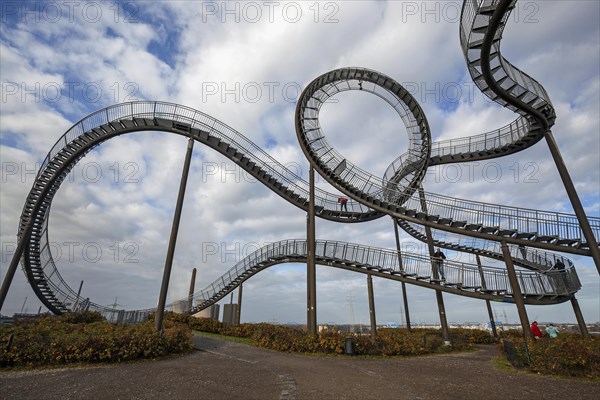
[[227, 370]]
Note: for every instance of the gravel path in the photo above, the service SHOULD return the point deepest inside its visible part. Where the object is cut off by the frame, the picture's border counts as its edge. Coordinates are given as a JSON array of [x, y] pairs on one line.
[[227, 370]]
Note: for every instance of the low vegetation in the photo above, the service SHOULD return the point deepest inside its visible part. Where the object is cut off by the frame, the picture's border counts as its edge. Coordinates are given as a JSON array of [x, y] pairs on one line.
[[389, 342], [568, 355], [86, 338]]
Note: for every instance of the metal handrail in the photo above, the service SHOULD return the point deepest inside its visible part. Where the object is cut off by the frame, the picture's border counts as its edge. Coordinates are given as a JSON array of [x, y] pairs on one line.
[[466, 275], [524, 256], [200, 120]]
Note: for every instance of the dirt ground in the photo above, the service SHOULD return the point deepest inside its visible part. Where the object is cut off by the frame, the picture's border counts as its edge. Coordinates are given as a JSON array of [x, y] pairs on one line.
[[225, 370]]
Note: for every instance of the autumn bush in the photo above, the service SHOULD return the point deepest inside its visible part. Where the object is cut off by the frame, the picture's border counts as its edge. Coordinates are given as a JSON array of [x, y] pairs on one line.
[[389, 342], [475, 336], [68, 339], [567, 355]]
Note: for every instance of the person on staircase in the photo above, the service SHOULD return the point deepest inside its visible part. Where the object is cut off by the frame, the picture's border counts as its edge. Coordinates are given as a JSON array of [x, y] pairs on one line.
[[439, 258]]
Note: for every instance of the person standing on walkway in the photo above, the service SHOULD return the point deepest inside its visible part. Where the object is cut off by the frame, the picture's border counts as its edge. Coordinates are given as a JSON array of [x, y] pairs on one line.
[[343, 203], [439, 258]]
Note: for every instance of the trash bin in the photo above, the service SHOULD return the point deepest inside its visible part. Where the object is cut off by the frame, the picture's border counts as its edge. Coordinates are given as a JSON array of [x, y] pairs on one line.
[[349, 345]]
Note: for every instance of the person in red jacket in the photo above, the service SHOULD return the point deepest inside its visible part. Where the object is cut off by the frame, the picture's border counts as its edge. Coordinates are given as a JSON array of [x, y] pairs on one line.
[[535, 330]]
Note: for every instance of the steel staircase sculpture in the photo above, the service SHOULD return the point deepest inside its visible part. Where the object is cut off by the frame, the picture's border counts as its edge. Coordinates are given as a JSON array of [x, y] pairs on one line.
[[396, 194], [398, 198]]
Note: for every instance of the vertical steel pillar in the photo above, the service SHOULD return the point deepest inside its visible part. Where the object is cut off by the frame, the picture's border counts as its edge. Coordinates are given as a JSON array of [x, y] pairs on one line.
[[14, 263], [574, 198], [311, 290], [401, 266], [162, 299], [372, 307], [438, 293], [74, 309], [239, 309], [487, 302], [580, 321], [517, 295], [191, 292]]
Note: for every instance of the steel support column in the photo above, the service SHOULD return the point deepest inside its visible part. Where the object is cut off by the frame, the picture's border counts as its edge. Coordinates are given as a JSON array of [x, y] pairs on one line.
[[74, 309], [311, 289], [580, 321], [516, 289], [162, 299], [239, 309], [487, 302], [14, 263], [574, 198], [401, 266], [438, 293], [372, 307], [191, 292]]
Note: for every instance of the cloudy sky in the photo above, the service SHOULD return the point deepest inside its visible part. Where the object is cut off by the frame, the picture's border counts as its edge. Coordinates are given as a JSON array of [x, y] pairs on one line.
[[245, 64]]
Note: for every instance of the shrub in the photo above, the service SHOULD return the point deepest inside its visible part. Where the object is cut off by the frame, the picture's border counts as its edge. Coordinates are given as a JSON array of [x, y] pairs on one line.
[[205, 325], [85, 317], [390, 342], [567, 355], [52, 341], [475, 336]]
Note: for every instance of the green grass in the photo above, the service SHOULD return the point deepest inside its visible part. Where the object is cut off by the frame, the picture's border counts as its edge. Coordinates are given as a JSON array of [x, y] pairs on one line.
[[236, 339]]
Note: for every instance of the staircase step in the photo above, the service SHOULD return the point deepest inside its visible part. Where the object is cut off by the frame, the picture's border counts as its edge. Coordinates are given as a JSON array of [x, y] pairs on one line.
[[487, 10], [546, 238], [473, 227], [476, 44], [458, 224], [481, 29], [421, 215], [526, 235], [568, 242], [506, 232], [490, 229]]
